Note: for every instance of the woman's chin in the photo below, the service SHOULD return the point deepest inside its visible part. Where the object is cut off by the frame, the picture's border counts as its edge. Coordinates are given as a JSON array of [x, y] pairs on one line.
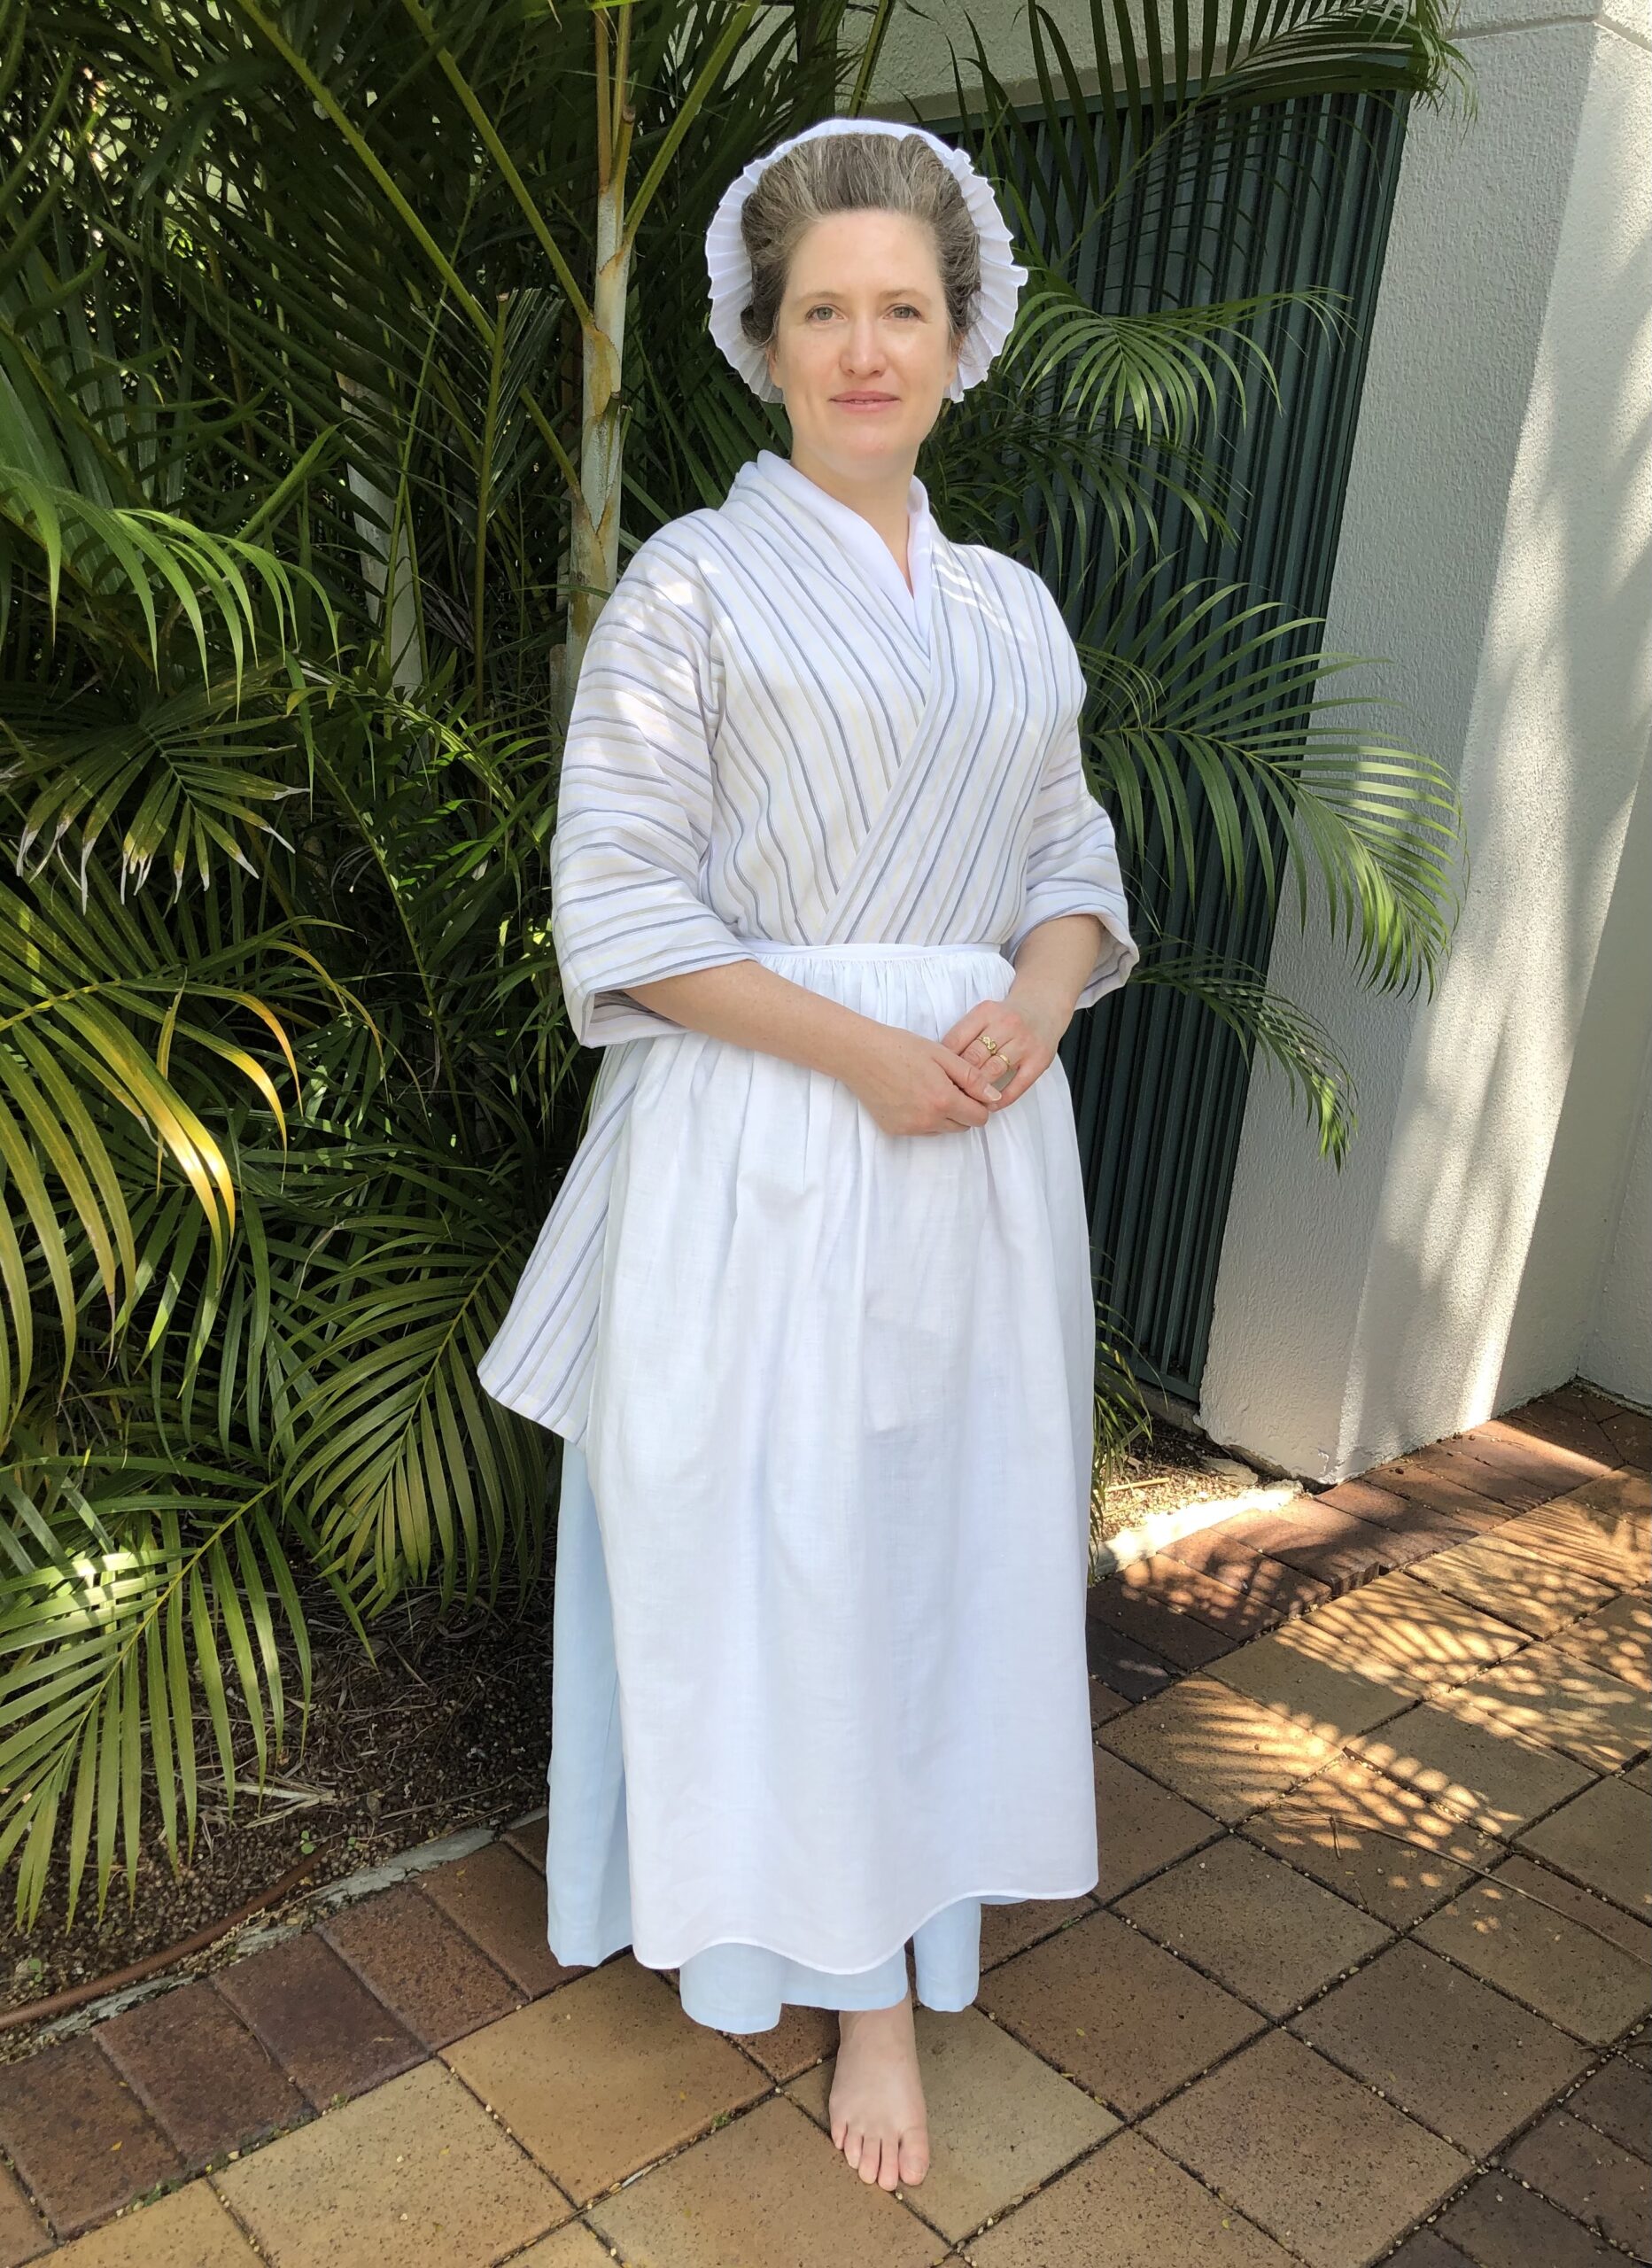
[[863, 439]]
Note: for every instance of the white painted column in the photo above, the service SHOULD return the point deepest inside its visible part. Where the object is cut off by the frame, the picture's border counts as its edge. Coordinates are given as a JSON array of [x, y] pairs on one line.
[[1497, 544]]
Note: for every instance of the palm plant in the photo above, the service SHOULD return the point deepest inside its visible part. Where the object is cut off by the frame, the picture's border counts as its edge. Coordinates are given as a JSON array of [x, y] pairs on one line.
[[323, 345]]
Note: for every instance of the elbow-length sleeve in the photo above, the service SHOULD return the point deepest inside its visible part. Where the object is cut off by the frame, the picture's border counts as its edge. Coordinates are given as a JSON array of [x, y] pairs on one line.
[[1072, 863], [633, 806]]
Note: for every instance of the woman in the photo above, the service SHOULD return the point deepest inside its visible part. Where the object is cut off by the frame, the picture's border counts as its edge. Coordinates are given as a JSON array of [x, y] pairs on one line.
[[813, 1308]]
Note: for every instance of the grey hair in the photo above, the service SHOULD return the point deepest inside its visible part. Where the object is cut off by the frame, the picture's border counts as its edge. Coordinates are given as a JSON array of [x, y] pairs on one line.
[[852, 172]]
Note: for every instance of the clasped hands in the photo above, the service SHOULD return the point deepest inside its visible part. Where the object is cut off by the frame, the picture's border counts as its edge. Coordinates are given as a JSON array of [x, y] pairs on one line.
[[915, 1085]]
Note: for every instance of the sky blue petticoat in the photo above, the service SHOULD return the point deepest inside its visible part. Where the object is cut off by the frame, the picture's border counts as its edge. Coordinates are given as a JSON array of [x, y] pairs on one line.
[[732, 1986]]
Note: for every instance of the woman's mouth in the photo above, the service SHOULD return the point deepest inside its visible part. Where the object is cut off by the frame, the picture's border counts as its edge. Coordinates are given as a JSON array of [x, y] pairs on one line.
[[864, 401]]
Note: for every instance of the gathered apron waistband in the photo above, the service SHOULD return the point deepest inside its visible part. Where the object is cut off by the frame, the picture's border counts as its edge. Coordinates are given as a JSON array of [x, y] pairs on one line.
[[864, 949]]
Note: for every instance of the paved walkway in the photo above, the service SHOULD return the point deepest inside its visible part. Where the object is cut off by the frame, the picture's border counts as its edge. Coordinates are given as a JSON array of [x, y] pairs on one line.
[[1365, 1979]]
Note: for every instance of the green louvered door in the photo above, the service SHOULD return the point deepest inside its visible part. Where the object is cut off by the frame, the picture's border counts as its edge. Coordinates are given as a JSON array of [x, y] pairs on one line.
[[1159, 1085]]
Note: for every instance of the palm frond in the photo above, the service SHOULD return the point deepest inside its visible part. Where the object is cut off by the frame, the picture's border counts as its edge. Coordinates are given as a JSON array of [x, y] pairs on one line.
[[179, 771], [410, 1470], [1212, 715], [109, 555], [94, 1004], [142, 1567], [1264, 1022]]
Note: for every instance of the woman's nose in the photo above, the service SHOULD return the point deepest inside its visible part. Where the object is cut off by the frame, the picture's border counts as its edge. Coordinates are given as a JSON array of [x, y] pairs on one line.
[[862, 348]]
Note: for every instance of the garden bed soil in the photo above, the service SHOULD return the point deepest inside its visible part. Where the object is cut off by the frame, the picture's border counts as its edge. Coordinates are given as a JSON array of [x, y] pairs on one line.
[[448, 1729], [1165, 1472]]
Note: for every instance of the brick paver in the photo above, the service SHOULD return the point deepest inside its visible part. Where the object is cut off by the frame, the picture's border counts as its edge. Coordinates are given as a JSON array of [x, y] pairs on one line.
[[1366, 1977], [1630, 1433], [606, 2075], [1602, 1839], [1617, 1637], [24, 2234], [1006, 1929], [1268, 1592], [1217, 1747], [1141, 1610], [78, 2136], [574, 2245], [424, 1968], [1498, 2223], [1148, 1827], [803, 2035], [1273, 1936], [1464, 1760], [1603, 1530], [1104, 1702], [190, 2228], [498, 1899], [1576, 1959], [416, 2173], [1401, 1630], [1318, 2160], [1466, 2061], [1123, 1661], [1519, 1584], [1596, 2179], [1154, 2213], [526, 1837], [319, 2022], [1617, 2100], [765, 2190], [1374, 1840], [1326, 1697], [1440, 1491], [1105, 2005], [208, 2083], [1522, 1466], [1546, 1694], [1333, 1547]]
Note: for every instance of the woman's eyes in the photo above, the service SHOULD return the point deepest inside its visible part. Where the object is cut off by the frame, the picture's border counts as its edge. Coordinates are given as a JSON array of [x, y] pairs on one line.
[[825, 308]]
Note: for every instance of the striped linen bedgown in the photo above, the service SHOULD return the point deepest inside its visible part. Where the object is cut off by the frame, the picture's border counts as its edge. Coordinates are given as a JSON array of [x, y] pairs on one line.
[[826, 1395]]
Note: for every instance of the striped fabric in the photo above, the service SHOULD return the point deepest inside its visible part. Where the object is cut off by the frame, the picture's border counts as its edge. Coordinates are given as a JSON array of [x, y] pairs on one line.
[[763, 746]]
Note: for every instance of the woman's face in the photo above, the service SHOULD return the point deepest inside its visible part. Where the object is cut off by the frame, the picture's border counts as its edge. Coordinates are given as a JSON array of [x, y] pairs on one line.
[[861, 350]]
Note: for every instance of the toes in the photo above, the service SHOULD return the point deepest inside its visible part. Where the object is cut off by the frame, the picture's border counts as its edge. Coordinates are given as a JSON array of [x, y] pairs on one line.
[[853, 2144], [914, 2157]]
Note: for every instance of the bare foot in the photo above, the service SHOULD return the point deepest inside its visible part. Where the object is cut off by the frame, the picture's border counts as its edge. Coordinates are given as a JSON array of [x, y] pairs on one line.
[[880, 2120]]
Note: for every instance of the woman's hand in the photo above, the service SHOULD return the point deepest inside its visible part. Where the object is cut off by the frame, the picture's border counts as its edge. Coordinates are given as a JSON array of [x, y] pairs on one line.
[[1027, 1024], [915, 1085]]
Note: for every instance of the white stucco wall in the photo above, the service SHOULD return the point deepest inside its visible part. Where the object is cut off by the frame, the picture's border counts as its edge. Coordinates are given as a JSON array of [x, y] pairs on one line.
[[1496, 543], [1496, 546], [1620, 1328], [915, 65]]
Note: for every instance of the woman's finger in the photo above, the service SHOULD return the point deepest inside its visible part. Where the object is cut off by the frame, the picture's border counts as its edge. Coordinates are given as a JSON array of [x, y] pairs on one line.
[[1000, 1060], [1026, 1071], [970, 1077], [990, 1016]]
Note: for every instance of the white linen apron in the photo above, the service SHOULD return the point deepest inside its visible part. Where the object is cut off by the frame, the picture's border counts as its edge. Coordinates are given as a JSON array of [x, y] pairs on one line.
[[840, 1445]]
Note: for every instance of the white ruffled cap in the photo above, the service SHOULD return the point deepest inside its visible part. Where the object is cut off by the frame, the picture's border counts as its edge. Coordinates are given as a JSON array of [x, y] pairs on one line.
[[730, 270]]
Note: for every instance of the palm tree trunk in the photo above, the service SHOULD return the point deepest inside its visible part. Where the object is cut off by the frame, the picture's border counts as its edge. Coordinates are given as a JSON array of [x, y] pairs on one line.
[[595, 546], [596, 528]]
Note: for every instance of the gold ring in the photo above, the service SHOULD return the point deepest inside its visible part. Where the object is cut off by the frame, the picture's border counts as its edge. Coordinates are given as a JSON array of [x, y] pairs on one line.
[[991, 1045]]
